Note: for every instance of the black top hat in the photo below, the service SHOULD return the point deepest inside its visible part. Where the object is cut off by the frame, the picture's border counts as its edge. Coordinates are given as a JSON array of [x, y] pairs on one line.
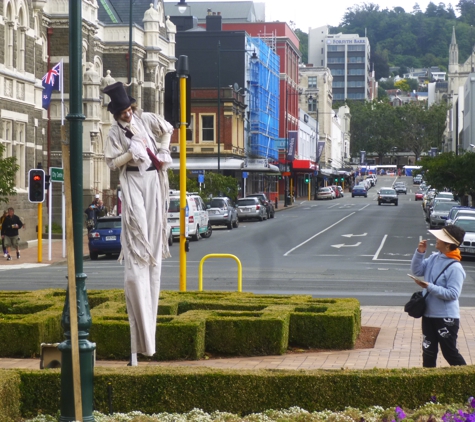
[[119, 99]]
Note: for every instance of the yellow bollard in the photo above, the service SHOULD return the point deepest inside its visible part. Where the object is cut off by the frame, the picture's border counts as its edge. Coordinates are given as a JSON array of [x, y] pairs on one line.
[[219, 255]]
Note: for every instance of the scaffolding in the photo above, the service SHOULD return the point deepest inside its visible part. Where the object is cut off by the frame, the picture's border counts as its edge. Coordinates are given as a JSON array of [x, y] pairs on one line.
[[264, 103]]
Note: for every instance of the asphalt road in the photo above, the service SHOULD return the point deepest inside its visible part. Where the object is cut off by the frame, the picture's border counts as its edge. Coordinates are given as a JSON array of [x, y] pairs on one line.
[[348, 247]]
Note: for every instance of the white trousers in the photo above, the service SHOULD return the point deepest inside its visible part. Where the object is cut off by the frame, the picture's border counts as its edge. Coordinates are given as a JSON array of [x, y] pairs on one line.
[[142, 282]]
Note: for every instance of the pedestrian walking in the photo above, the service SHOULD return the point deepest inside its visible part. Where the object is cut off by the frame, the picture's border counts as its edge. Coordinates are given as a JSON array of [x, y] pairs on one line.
[[138, 146], [10, 226], [444, 277], [4, 249]]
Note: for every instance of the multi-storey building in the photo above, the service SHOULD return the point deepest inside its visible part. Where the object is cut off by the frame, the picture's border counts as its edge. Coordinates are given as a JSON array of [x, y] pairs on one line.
[[348, 58]]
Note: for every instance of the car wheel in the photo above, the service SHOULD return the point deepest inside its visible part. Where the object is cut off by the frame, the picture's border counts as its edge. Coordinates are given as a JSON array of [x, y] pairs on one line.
[[229, 225], [207, 233], [170, 239], [366, 196], [261, 218], [379, 203], [352, 196], [236, 223], [395, 204], [197, 236], [93, 256]]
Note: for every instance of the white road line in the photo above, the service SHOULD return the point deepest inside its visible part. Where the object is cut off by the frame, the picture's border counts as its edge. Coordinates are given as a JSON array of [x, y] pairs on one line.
[[380, 248], [361, 209], [315, 235]]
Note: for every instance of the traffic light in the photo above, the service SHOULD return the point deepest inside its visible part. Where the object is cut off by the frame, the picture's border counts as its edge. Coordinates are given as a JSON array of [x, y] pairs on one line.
[[342, 179], [336, 179], [36, 185], [307, 178]]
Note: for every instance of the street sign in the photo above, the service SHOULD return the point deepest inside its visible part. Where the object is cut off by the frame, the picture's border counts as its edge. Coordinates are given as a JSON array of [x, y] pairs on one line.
[[57, 174], [244, 174], [201, 178], [286, 173]]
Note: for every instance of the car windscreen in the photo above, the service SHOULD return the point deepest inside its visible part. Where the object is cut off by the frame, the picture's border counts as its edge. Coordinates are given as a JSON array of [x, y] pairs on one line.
[[388, 192], [443, 206], [174, 205], [323, 189], [243, 202], [467, 225], [112, 224], [217, 203]]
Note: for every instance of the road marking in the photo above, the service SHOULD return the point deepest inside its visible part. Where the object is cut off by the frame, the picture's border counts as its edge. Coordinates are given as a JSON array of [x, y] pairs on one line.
[[380, 247], [315, 235], [333, 206], [361, 209], [354, 235], [342, 245]]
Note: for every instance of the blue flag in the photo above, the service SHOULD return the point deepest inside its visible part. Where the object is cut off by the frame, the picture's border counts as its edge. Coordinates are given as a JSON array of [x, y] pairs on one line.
[[51, 81]]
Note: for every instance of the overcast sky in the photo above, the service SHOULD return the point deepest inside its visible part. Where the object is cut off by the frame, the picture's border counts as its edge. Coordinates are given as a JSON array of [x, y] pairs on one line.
[[310, 13]]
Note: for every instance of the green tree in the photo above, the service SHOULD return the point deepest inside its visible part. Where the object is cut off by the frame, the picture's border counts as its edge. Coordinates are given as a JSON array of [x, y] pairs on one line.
[[7, 175], [403, 85], [303, 38]]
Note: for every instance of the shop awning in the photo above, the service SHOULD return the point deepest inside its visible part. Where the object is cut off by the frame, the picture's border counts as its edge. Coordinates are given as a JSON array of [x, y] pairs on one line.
[[258, 167], [209, 163], [303, 165]]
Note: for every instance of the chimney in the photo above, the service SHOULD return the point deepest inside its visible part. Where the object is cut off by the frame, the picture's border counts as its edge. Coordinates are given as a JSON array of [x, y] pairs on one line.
[[214, 21]]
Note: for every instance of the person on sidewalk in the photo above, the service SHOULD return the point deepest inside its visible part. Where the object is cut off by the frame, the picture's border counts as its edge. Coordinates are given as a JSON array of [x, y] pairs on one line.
[[138, 146], [444, 277], [4, 249], [10, 226]]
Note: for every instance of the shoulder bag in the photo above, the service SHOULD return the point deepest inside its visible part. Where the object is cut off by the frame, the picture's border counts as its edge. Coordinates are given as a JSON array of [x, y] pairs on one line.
[[417, 304]]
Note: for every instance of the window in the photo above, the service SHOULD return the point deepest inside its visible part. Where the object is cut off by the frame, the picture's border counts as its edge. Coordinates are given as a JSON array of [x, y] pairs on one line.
[[207, 128], [190, 130], [356, 72], [338, 71], [356, 48], [7, 136], [333, 60], [20, 153], [9, 26], [312, 104], [336, 48], [312, 81]]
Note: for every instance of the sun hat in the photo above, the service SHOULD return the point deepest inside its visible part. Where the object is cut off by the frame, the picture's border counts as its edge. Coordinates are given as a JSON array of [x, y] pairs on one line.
[[445, 236]]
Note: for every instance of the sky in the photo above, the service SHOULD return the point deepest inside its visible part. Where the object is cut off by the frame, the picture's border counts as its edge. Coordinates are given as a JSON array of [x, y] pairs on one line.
[[306, 13]]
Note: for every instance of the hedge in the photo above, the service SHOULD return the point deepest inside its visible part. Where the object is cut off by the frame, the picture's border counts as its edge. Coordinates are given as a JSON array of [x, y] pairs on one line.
[[180, 389], [188, 325]]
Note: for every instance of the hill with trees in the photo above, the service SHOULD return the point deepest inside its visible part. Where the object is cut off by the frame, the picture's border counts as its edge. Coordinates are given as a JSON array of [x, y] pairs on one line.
[[404, 39]]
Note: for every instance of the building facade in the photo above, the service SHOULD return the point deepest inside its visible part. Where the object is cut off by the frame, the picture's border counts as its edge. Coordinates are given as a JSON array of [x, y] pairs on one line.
[[348, 58]]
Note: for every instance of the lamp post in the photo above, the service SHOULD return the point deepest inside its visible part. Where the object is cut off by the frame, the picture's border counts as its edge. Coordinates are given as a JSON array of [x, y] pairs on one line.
[[182, 6], [254, 59]]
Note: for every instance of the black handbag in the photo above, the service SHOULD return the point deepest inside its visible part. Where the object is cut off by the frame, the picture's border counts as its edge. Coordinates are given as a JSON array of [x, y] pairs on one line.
[[417, 304]]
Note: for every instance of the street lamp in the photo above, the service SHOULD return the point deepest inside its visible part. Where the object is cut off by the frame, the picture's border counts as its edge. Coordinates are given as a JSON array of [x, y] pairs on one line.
[[254, 59], [182, 6]]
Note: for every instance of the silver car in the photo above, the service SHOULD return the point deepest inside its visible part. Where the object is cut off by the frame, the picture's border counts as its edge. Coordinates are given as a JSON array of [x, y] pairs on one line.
[[222, 212], [439, 214], [251, 208], [467, 248]]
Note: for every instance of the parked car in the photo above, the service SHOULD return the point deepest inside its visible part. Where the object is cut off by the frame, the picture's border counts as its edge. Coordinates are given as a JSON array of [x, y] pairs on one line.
[[374, 178], [400, 187], [430, 205], [325, 193], [439, 214], [458, 211], [268, 203], [419, 195], [387, 196], [359, 190], [198, 220], [467, 248], [342, 193], [223, 212], [427, 197], [335, 189], [251, 208], [104, 238]]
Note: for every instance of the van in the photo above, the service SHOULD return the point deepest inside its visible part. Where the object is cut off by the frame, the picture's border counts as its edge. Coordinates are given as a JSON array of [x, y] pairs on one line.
[[197, 224]]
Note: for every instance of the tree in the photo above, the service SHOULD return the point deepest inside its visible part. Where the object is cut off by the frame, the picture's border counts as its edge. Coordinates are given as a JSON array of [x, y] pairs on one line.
[[7, 175], [303, 38], [403, 85]]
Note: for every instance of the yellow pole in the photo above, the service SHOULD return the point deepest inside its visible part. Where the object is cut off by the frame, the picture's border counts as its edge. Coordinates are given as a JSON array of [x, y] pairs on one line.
[[292, 188], [183, 80], [309, 187], [40, 232]]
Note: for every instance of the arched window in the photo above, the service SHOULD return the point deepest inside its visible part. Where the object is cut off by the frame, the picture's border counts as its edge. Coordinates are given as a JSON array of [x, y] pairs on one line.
[[21, 41], [9, 29]]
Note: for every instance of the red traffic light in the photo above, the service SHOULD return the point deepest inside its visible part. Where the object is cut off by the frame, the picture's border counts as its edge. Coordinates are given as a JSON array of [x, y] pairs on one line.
[[37, 178]]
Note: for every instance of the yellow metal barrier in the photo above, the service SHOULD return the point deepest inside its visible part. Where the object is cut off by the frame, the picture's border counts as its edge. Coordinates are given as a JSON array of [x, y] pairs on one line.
[[219, 255]]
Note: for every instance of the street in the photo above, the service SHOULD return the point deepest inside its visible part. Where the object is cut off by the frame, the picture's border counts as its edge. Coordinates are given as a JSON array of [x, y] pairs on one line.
[[347, 247]]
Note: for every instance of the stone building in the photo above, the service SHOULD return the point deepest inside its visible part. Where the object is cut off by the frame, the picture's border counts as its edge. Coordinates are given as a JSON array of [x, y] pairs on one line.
[[35, 36]]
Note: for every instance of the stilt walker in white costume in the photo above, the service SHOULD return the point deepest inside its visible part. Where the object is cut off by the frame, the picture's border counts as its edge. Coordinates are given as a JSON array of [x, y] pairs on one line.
[[138, 146]]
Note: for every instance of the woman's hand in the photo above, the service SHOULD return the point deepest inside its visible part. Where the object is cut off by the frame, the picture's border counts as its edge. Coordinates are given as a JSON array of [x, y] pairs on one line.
[[422, 247], [421, 283]]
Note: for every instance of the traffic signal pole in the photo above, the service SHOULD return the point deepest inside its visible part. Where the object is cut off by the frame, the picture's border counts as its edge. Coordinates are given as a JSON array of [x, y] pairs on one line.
[[40, 232]]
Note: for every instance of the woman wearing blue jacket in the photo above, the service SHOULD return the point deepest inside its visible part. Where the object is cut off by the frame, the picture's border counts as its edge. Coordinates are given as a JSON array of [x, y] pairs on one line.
[[440, 323]]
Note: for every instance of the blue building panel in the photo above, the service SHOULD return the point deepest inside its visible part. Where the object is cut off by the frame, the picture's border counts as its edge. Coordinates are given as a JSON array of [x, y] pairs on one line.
[[264, 101]]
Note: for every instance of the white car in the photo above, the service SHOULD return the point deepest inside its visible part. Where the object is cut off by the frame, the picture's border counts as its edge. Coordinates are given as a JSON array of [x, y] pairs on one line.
[[467, 248], [325, 193]]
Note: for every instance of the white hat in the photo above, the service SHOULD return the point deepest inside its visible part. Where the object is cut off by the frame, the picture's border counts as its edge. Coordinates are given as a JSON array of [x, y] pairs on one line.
[[445, 236], [97, 196]]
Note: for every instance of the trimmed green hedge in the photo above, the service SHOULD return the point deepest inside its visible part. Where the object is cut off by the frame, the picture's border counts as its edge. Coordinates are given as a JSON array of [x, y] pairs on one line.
[[9, 396], [188, 325], [180, 389]]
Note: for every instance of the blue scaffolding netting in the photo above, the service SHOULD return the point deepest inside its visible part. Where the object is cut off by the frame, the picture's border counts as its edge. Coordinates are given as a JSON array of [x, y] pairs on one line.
[[264, 102]]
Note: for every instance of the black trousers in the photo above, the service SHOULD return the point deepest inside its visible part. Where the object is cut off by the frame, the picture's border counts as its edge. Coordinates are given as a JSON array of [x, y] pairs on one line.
[[441, 331]]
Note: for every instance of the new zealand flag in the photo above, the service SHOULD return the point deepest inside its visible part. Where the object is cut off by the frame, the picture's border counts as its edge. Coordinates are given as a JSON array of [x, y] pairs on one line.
[[51, 81]]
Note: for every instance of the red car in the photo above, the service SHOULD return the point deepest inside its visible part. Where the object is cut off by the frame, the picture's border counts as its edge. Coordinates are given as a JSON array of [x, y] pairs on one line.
[[419, 195], [336, 190]]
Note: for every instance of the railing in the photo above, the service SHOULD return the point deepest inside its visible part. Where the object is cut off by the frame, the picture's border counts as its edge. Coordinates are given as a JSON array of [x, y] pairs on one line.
[[219, 255]]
